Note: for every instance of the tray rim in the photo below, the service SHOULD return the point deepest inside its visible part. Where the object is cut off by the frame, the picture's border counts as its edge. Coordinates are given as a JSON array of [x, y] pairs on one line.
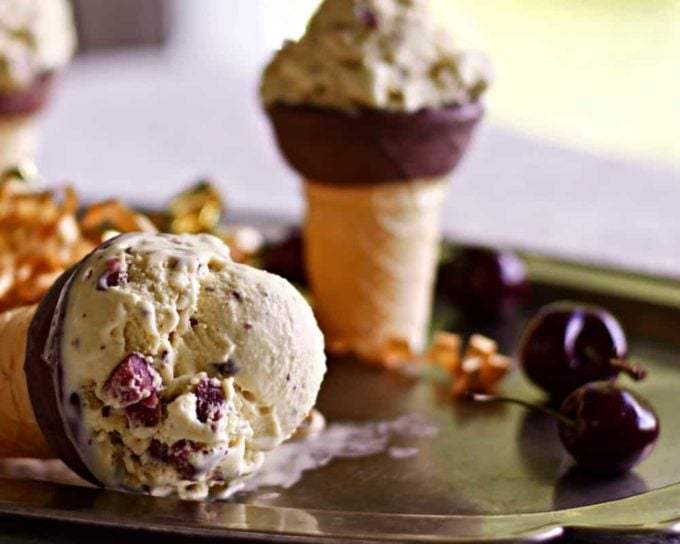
[[536, 527]]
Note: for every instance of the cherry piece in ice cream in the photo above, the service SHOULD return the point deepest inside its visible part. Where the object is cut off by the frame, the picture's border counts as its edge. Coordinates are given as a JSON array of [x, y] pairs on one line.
[[113, 277], [131, 381], [209, 400], [145, 413], [179, 455]]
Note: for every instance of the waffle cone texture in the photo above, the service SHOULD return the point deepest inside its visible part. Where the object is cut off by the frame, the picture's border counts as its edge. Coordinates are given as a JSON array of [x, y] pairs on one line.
[[20, 435], [371, 252]]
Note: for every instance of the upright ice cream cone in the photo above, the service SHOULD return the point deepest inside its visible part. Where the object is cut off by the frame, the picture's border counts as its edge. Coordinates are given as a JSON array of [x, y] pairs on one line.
[[371, 252], [375, 105], [37, 40], [20, 435]]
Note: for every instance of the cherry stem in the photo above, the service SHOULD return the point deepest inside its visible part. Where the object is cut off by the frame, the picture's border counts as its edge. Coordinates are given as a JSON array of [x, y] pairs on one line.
[[634, 371], [536, 407]]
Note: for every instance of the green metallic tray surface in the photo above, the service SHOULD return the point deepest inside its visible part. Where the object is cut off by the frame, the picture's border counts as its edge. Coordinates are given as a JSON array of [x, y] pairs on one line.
[[494, 472]]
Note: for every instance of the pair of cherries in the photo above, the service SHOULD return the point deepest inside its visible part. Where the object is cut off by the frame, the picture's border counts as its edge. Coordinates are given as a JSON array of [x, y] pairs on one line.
[[574, 352]]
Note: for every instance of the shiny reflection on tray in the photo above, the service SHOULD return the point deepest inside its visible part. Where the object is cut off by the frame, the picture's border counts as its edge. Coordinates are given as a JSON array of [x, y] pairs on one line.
[[43, 470], [283, 467], [575, 489]]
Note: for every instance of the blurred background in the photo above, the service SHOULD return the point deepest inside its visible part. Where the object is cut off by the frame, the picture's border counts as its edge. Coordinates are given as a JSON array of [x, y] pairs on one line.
[[600, 75], [579, 155]]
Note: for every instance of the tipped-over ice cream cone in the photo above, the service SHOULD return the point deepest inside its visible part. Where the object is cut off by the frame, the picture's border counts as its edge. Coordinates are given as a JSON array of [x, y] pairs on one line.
[[371, 254], [374, 107], [159, 365], [20, 435]]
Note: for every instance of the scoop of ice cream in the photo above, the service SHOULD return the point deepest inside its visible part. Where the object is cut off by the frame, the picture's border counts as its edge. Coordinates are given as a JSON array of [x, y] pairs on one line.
[[37, 37], [175, 368], [377, 54]]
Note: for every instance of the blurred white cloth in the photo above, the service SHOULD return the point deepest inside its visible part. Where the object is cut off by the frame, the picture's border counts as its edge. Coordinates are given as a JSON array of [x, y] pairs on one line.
[[142, 126]]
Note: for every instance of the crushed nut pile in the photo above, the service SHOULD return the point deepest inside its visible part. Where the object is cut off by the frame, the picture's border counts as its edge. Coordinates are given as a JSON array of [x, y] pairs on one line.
[[44, 232], [477, 369]]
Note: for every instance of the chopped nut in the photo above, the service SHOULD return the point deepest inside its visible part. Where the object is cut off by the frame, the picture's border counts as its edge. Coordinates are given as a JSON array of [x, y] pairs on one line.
[[113, 215], [480, 345], [445, 350], [41, 236], [195, 210], [481, 369], [470, 366], [314, 423], [394, 353], [495, 369], [39, 239]]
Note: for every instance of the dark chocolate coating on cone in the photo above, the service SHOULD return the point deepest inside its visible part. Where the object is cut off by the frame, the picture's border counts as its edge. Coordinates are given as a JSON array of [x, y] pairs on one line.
[[28, 100], [372, 146], [43, 384]]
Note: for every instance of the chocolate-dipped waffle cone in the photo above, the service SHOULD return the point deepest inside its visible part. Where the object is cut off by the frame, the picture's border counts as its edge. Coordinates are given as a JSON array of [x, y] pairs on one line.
[[20, 435], [373, 106], [37, 41], [374, 183]]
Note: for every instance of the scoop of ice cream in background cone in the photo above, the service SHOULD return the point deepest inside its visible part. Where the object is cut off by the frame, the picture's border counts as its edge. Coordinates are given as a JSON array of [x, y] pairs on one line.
[[37, 40], [374, 106], [157, 364]]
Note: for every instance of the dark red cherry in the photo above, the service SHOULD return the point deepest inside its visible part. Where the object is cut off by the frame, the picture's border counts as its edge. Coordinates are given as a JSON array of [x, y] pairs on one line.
[[567, 345], [285, 258], [483, 283], [612, 428]]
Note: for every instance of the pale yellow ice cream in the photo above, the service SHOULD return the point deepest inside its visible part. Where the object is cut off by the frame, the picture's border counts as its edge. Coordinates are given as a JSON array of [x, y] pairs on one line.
[[36, 37], [378, 54], [181, 366]]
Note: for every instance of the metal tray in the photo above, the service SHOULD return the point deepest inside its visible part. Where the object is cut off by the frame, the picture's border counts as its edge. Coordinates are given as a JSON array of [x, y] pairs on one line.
[[493, 472]]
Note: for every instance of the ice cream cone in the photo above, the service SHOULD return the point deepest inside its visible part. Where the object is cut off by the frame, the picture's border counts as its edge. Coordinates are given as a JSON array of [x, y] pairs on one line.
[[18, 140], [371, 252], [373, 222], [20, 435], [375, 104], [37, 41]]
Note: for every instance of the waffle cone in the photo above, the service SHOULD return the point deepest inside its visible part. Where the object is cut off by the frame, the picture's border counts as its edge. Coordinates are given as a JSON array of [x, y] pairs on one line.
[[20, 435], [18, 139], [371, 254]]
